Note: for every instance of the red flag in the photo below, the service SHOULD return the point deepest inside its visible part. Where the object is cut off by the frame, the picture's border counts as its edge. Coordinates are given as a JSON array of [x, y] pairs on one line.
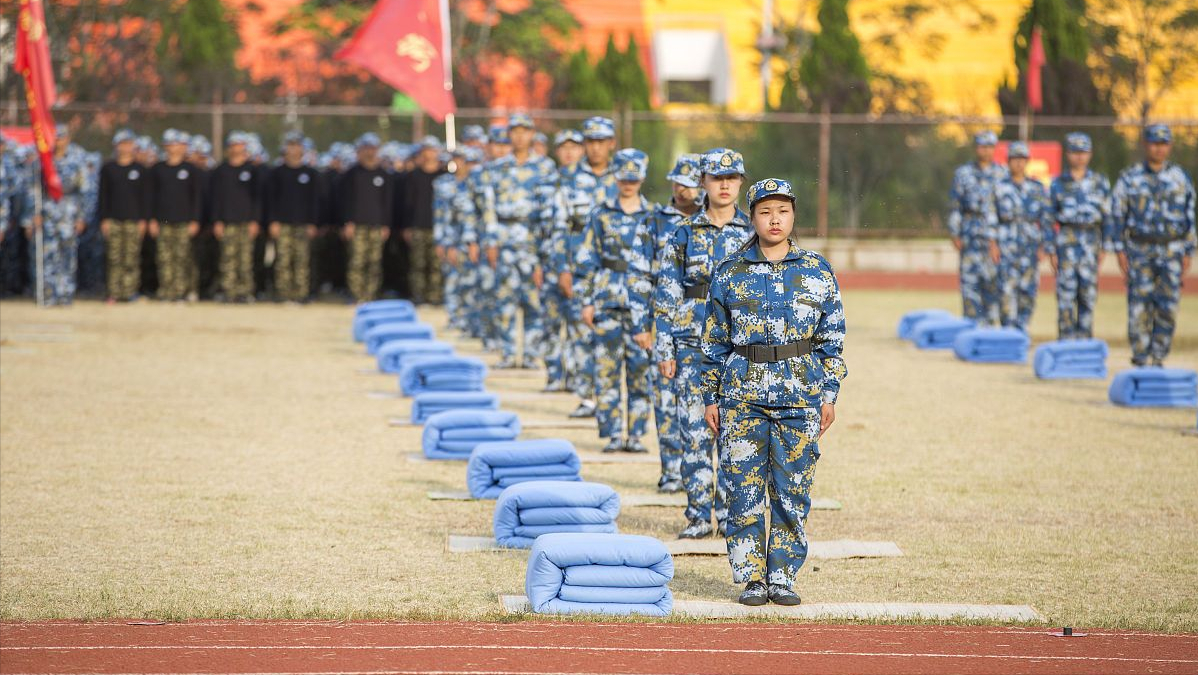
[[33, 63], [401, 43], [1035, 59]]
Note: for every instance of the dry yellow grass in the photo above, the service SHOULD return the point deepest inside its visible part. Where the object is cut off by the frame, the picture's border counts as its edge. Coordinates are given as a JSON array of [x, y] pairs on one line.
[[225, 461]]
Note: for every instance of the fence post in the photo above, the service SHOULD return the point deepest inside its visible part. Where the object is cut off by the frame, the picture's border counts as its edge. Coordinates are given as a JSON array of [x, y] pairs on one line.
[[218, 126], [825, 152]]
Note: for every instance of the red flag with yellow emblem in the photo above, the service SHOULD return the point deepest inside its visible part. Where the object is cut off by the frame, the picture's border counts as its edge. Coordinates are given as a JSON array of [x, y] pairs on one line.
[[33, 63], [401, 43]]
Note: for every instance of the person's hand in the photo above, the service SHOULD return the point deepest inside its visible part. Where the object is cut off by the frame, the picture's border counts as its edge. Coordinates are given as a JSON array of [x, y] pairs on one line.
[[141, 228], [995, 253], [105, 227], [408, 235], [588, 315], [538, 276], [957, 243], [386, 232], [643, 340], [1122, 258], [493, 256], [668, 369], [711, 415], [253, 229], [453, 256], [1052, 261], [153, 228], [472, 252], [1185, 265], [37, 222], [1098, 267], [276, 228], [565, 281], [80, 226], [310, 230], [439, 251], [218, 229], [348, 231], [827, 415]]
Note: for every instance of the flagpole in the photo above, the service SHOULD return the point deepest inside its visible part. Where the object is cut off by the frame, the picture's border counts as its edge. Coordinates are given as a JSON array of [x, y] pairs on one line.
[[447, 73], [39, 244]]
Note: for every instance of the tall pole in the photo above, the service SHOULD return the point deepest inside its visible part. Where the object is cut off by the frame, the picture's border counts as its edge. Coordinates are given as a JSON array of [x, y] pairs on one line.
[[39, 245], [825, 158], [447, 74]]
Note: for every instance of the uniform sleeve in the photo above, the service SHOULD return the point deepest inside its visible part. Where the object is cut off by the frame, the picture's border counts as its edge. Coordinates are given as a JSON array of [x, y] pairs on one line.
[[545, 218], [717, 340], [442, 214], [1106, 208], [586, 260], [955, 206], [1112, 227], [1047, 233], [1191, 228], [104, 198], [559, 230], [197, 195], [488, 222], [827, 343], [667, 295], [467, 214], [640, 275]]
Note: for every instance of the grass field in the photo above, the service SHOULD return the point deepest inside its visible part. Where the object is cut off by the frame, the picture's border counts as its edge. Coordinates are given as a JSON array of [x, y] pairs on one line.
[[176, 461]]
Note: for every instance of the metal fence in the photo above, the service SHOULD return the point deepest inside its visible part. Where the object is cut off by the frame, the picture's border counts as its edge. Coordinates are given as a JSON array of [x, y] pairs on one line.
[[886, 176]]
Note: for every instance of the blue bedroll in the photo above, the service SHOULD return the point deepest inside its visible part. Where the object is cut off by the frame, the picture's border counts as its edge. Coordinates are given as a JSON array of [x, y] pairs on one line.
[[938, 333], [442, 373], [495, 466], [910, 319], [426, 405], [369, 320], [453, 434], [570, 573], [394, 354], [991, 345], [383, 306], [1071, 360], [1155, 387], [383, 333], [529, 510]]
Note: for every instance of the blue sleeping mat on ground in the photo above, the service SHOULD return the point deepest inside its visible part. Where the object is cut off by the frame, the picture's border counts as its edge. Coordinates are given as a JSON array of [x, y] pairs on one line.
[[383, 333], [1155, 387], [938, 333], [442, 373], [495, 466], [991, 345], [383, 306], [526, 511], [910, 319], [1071, 360], [622, 574], [428, 404], [394, 354], [365, 322], [454, 433]]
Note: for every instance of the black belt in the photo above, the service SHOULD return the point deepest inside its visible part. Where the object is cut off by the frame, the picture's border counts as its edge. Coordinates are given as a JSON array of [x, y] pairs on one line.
[[773, 353], [1083, 226], [697, 292], [1154, 238], [616, 265]]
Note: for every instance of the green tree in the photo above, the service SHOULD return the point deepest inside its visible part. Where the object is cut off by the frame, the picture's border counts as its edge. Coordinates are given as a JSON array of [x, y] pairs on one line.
[[635, 79], [834, 71], [196, 49], [582, 89]]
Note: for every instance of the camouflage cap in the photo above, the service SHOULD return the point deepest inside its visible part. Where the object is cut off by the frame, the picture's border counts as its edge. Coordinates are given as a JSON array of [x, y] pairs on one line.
[[567, 136], [369, 138], [686, 170], [124, 136], [1078, 142], [175, 136], [1018, 150], [983, 138], [472, 155], [598, 128], [520, 120], [723, 162], [770, 187], [474, 134], [630, 164], [430, 142], [199, 145], [293, 136], [1157, 133], [237, 138], [498, 135]]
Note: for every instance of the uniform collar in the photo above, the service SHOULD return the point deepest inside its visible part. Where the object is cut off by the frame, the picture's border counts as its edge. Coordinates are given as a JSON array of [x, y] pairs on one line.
[[753, 253], [585, 167], [614, 205], [739, 218]]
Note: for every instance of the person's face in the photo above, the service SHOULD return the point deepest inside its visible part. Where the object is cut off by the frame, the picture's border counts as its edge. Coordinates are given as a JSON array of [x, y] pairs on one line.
[[497, 150], [685, 195], [61, 145], [1078, 160], [722, 191], [368, 156], [629, 188], [984, 153], [773, 219], [1017, 166], [1158, 153], [598, 150], [428, 160], [569, 153], [124, 151], [539, 147], [235, 153], [293, 153], [175, 152], [521, 138]]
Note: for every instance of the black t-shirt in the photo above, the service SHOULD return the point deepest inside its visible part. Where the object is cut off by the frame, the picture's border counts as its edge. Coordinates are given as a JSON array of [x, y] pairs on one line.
[[124, 191], [176, 192], [364, 196], [293, 195], [235, 193], [418, 199]]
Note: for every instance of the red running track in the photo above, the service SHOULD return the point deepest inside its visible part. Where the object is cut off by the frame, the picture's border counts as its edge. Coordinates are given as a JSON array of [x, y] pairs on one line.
[[541, 647]]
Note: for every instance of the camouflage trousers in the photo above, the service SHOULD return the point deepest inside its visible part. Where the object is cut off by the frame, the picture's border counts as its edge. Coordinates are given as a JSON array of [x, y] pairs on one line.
[[124, 259], [424, 270], [705, 491], [176, 264], [237, 262], [769, 455], [616, 354], [665, 412], [979, 281], [60, 261], [468, 289], [293, 262], [579, 353], [516, 295], [1018, 279], [365, 271], [451, 284], [554, 307], [1153, 293], [1077, 287], [488, 312]]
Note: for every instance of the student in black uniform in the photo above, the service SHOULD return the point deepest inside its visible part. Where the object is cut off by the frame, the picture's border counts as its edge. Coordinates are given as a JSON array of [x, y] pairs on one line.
[[424, 269], [236, 208], [122, 208], [365, 195], [293, 202], [176, 193]]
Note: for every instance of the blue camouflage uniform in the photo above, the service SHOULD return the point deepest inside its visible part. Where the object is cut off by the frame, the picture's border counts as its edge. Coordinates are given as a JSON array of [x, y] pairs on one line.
[[613, 266], [555, 306], [686, 172], [485, 317], [60, 219], [679, 305], [1023, 227], [511, 213], [16, 211], [1153, 225], [453, 216], [580, 190], [972, 219], [770, 399], [1082, 210]]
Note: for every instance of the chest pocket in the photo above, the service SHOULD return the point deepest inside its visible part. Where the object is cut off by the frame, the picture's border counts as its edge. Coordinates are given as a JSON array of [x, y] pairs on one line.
[[805, 313], [747, 320]]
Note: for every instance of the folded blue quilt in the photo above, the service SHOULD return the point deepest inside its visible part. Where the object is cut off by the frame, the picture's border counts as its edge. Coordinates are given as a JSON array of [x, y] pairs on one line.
[[394, 354], [1155, 387], [1071, 359], [526, 511], [426, 405], [368, 320], [383, 333], [572, 573], [441, 373], [383, 306], [938, 333], [452, 434], [991, 345], [907, 322], [495, 466]]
